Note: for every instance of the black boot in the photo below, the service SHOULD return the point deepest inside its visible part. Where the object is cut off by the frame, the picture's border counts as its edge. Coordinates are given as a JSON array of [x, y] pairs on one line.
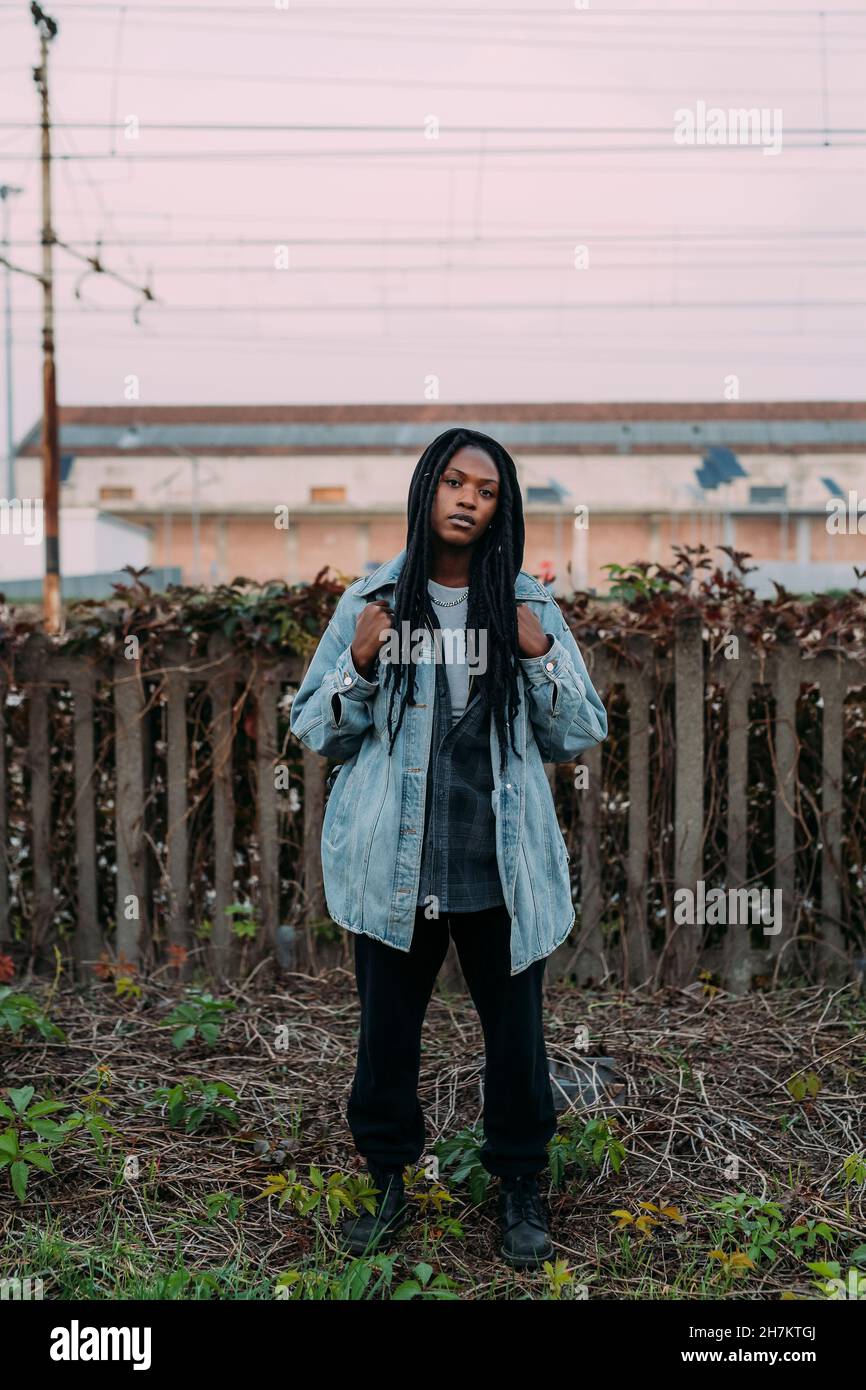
[[367, 1232], [524, 1222]]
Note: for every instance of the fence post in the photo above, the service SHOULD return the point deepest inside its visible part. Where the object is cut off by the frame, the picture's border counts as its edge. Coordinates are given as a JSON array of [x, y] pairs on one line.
[[87, 942], [5, 924], [34, 659], [221, 682], [129, 809], [737, 945], [637, 961], [314, 811], [832, 963], [176, 655], [266, 690], [787, 688], [688, 786]]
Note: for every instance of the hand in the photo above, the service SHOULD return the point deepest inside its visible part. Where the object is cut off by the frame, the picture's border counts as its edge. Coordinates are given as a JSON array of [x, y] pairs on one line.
[[372, 621], [532, 640]]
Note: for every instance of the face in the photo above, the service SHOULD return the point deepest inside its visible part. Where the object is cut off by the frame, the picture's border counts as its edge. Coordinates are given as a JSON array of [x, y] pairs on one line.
[[466, 498]]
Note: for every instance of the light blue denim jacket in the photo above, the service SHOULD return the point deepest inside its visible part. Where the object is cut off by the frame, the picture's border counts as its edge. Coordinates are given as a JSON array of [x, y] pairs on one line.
[[373, 828]]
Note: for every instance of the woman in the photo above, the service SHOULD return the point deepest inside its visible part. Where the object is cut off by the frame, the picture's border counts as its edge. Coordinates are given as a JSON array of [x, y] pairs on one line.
[[441, 819]]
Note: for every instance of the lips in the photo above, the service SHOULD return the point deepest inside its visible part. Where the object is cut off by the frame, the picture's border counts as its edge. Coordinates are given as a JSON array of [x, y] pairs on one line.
[[464, 522]]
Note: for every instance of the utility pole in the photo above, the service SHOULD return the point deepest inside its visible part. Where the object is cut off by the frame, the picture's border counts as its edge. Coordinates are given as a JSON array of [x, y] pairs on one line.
[[51, 605], [6, 191]]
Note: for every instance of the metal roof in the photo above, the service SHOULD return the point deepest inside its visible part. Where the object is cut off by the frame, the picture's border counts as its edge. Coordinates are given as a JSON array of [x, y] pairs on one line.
[[767, 429]]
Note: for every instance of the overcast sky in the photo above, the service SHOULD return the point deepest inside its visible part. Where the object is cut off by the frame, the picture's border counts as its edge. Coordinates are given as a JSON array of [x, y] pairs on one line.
[[452, 258]]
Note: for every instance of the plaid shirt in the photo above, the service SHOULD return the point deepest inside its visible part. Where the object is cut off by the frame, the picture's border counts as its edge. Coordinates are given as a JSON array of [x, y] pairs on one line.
[[458, 864]]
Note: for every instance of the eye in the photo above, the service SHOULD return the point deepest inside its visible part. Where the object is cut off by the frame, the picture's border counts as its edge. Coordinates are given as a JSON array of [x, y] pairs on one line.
[[451, 480]]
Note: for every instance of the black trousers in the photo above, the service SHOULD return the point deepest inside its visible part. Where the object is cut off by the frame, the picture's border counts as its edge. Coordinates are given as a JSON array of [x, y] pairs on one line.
[[394, 987]]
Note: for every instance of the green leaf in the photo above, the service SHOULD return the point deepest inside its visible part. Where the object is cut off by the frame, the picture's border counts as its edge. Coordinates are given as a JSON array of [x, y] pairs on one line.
[[45, 1107], [9, 1142], [18, 1172], [47, 1129], [182, 1036], [22, 1098], [38, 1158]]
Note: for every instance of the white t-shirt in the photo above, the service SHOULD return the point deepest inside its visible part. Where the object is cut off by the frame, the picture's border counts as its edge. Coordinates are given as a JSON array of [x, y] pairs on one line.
[[453, 618]]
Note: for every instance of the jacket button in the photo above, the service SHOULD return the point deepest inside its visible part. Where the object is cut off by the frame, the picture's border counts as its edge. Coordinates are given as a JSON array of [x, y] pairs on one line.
[[548, 666], [347, 680]]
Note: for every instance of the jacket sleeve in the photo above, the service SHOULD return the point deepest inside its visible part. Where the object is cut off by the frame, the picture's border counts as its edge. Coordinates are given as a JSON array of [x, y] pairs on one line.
[[332, 711], [566, 712]]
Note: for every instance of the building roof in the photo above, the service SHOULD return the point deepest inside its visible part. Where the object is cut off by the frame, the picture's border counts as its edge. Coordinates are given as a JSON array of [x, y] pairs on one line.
[[547, 427]]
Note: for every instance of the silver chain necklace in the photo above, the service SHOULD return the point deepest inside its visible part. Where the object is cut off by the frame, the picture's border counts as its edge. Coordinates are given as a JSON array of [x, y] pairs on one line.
[[449, 602]]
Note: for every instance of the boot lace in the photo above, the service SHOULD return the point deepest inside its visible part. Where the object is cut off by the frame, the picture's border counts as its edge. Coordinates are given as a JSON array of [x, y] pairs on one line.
[[526, 1202]]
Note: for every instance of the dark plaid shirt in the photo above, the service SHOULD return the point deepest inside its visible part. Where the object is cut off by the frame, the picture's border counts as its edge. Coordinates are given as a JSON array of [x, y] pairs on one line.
[[458, 863]]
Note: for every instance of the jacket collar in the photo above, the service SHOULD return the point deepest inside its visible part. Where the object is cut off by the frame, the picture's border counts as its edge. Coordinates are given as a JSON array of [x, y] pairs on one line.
[[385, 577]]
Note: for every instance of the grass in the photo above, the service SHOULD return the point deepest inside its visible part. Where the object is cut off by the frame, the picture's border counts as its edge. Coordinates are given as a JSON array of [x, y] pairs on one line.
[[730, 1166]]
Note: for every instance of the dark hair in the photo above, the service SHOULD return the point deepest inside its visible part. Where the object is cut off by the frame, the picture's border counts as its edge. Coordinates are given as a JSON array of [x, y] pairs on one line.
[[496, 561]]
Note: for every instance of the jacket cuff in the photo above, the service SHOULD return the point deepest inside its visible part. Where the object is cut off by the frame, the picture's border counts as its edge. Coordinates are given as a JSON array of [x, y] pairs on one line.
[[349, 682], [554, 665]]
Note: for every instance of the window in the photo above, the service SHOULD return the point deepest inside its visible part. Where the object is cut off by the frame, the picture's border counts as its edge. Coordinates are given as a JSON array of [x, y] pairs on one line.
[[116, 494], [327, 494], [542, 494], [768, 496]]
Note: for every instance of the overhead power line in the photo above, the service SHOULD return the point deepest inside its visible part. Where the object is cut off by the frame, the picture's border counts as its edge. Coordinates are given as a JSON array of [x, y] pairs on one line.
[[412, 128], [433, 151], [578, 233], [494, 307]]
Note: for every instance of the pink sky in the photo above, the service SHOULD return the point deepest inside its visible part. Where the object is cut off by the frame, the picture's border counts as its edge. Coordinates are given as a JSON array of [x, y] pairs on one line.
[[767, 251]]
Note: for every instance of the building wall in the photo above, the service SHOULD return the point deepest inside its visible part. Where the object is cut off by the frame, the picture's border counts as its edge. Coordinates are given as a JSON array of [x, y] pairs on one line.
[[254, 548], [655, 482], [639, 507]]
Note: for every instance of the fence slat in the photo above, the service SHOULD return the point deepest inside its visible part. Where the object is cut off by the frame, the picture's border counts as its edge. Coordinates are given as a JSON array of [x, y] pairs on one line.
[[638, 963], [33, 672], [87, 943], [5, 923], [315, 769], [266, 693], [786, 689], [221, 683], [132, 908], [688, 787], [737, 945], [176, 655], [590, 964], [831, 957]]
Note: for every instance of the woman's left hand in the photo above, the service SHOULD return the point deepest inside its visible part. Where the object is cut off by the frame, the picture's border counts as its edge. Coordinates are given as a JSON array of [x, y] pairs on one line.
[[532, 640]]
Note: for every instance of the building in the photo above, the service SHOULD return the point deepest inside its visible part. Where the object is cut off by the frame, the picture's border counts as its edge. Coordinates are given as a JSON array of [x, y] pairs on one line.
[[282, 491], [95, 547]]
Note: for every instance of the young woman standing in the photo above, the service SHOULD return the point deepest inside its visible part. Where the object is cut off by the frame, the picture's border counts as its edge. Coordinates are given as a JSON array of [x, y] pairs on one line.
[[441, 819]]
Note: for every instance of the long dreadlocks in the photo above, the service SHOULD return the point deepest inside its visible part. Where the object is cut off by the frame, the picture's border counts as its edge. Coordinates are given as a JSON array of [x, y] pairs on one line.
[[496, 560]]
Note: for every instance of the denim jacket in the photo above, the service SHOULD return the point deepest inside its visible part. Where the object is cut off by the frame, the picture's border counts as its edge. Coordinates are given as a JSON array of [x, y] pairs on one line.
[[372, 833]]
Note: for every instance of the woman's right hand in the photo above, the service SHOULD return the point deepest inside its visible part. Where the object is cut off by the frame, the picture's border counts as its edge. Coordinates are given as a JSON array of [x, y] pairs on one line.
[[376, 618]]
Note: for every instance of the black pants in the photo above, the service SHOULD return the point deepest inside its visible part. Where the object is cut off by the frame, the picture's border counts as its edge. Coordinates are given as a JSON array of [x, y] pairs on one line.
[[394, 986]]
